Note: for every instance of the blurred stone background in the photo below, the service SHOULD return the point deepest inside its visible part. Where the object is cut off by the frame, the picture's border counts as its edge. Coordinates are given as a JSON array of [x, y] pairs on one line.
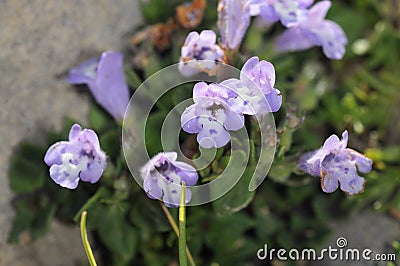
[[39, 41]]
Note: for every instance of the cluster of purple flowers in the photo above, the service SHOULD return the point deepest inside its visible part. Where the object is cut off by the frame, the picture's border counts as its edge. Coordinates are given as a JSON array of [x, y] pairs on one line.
[[218, 107], [221, 107], [306, 27]]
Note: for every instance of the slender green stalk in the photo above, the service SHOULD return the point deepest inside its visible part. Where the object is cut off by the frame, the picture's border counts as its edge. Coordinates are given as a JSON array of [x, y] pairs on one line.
[[89, 203], [85, 241], [182, 228], [176, 230]]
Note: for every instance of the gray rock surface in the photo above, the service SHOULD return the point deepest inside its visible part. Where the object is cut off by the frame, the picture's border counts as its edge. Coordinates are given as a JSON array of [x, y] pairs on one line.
[[39, 41], [365, 230]]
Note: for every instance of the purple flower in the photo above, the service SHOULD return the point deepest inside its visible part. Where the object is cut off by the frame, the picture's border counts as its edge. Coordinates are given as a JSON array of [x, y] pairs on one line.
[[255, 92], [289, 12], [200, 47], [106, 81], [234, 19], [78, 158], [315, 30], [210, 116], [335, 163], [163, 176]]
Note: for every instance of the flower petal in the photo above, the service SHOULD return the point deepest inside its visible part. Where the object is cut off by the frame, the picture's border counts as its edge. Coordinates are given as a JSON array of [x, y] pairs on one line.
[[363, 163], [93, 172], [63, 178], [345, 172], [274, 100], [152, 188], [53, 154], [111, 90], [190, 120], [85, 73], [293, 39], [187, 173], [213, 134]]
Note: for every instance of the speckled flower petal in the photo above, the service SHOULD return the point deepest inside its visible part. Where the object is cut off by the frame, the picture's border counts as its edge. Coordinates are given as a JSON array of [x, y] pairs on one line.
[[233, 120], [78, 158], [93, 172], [187, 173], [261, 73], [310, 162], [203, 90], [200, 53], [190, 120], [153, 190], [62, 178], [172, 196], [293, 39], [363, 163], [345, 172], [213, 134], [53, 154], [233, 21], [274, 100]]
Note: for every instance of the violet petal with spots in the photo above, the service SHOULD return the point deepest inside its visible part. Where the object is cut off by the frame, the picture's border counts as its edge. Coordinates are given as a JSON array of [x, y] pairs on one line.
[[79, 158], [315, 30], [211, 116], [162, 178], [335, 163], [200, 53]]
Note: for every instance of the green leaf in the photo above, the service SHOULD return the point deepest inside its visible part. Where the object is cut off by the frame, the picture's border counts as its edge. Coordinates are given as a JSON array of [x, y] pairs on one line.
[[226, 235], [33, 215], [239, 196], [110, 142], [280, 171], [27, 169], [117, 234], [147, 215], [153, 132], [99, 119]]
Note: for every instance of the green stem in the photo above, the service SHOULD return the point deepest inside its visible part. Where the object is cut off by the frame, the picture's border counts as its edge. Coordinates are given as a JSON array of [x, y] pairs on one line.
[[89, 203], [85, 241], [182, 228], [176, 230]]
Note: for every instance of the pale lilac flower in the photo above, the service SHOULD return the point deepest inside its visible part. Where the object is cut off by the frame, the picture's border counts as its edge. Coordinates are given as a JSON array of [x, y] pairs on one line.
[[199, 47], [255, 92], [234, 19], [289, 12], [210, 116], [335, 164], [78, 158], [315, 30], [106, 81], [163, 175]]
